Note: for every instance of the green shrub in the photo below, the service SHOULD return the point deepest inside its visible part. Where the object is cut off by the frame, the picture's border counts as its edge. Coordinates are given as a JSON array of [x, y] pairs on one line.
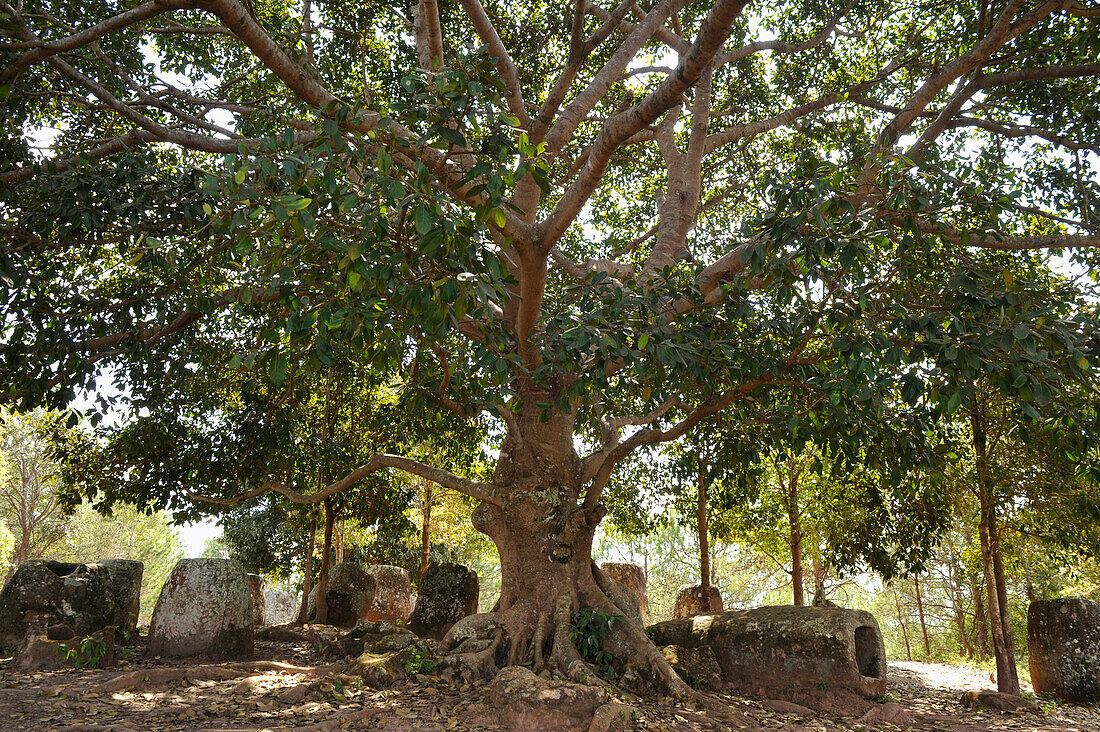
[[587, 630]]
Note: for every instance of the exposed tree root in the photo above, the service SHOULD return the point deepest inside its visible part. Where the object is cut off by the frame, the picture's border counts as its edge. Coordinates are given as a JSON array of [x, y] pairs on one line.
[[543, 627]]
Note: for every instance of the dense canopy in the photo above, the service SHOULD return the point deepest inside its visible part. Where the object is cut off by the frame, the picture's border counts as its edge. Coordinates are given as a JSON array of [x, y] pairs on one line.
[[598, 226]]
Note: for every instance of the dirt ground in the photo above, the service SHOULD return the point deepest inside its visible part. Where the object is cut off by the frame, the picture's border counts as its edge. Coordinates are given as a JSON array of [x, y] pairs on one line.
[[289, 687]]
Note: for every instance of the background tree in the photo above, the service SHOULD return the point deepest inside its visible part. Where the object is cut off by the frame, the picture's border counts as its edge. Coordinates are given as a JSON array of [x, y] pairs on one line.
[[30, 473], [601, 227], [126, 534]]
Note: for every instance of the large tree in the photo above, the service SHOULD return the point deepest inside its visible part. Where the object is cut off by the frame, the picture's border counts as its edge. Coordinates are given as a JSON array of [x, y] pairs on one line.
[[600, 226]]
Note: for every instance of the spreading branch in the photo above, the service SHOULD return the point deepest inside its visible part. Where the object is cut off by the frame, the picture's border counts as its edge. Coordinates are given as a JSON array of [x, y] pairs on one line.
[[475, 489]]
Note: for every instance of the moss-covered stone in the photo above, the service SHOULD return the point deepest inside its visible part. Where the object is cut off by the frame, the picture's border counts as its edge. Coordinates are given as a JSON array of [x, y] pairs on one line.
[[447, 593], [204, 609], [41, 594], [830, 659], [1063, 645]]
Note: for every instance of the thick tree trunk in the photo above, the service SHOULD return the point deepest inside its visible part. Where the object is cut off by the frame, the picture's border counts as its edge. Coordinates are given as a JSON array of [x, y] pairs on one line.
[[425, 529], [703, 527], [920, 614], [303, 612], [23, 551], [544, 537], [321, 603], [1013, 684]]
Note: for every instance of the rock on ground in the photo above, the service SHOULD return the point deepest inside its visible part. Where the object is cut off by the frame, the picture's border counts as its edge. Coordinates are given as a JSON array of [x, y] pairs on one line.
[[39, 652], [529, 702], [125, 577], [392, 593], [696, 600], [41, 594], [633, 576], [204, 609], [280, 607], [256, 588], [697, 666], [349, 595], [447, 593], [997, 700], [829, 659], [1063, 646], [389, 654], [623, 597], [888, 713]]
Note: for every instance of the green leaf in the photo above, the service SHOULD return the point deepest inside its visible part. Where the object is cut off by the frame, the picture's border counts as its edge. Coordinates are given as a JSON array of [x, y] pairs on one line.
[[277, 369], [499, 218], [1042, 395], [423, 220]]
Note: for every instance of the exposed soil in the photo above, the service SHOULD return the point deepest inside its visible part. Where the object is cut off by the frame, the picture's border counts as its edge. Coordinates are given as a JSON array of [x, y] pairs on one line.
[[289, 686]]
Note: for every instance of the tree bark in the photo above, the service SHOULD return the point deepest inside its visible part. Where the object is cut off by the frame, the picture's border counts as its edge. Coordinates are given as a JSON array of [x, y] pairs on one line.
[[702, 524], [981, 628], [819, 582], [1002, 601], [904, 632], [321, 603], [1005, 667], [544, 537], [1007, 681], [795, 521], [920, 614], [303, 612], [425, 529]]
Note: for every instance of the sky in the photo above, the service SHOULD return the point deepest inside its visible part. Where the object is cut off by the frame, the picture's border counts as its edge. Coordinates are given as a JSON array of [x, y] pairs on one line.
[[195, 536]]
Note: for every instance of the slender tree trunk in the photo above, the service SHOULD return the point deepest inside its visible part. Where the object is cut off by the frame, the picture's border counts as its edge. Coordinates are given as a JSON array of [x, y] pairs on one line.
[[955, 592], [819, 583], [981, 628], [904, 632], [303, 612], [321, 602], [23, 551], [987, 531], [960, 624], [1005, 674], [795, 521], [425, 529], [920, 614], [1002, 599], [703, 527]]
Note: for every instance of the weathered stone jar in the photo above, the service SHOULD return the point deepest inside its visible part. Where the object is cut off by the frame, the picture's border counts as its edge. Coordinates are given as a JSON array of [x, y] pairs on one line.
[[41, 594], [392, 593], [825, 658], [447, 593], [1063, 646], [633, 576], [204, 609]]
